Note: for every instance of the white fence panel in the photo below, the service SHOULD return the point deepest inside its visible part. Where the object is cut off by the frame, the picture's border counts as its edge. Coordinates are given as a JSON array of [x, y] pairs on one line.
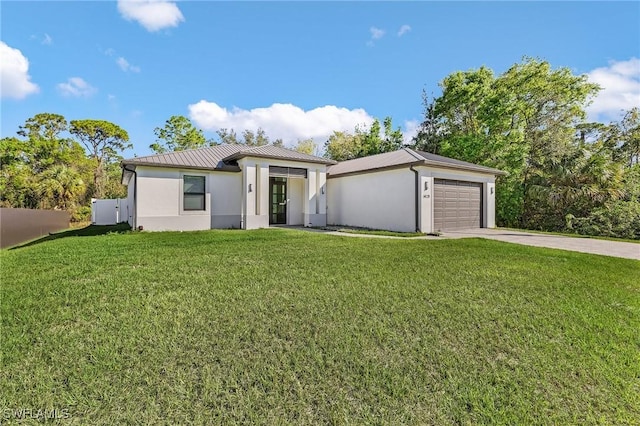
[[109, 212]]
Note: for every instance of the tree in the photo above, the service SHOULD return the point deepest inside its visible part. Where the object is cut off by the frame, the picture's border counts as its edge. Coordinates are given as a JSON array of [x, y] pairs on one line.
[[342, 146], [249, 137], [104, 141], [306, 146], [228, 136], [59, 186], [367, 140], [178, 134], [630, 135], [429, 135], [522, 121]]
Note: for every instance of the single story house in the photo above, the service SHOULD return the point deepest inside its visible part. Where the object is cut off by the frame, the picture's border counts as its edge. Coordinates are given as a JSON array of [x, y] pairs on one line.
[[235, 186]]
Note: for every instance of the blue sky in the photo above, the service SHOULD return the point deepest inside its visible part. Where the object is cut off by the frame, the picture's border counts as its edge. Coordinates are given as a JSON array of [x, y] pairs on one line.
[[296, 69]]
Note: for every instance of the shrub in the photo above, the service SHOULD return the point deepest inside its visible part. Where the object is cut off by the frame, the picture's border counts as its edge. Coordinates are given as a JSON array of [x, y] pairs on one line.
[[620, 219], [81, 214]]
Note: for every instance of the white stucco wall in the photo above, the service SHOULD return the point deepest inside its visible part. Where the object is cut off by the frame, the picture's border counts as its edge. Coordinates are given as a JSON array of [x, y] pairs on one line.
[[255, 204], [380, 200], [159, 200], [295, 195], [428, 174], [226, 199], [130, 202], [386, 199]]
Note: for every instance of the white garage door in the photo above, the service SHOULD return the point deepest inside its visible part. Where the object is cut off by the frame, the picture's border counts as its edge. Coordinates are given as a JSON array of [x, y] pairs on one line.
[[457, 205]]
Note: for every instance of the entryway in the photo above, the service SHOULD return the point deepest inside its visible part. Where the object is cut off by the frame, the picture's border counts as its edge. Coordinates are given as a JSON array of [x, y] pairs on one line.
[[278, 201]]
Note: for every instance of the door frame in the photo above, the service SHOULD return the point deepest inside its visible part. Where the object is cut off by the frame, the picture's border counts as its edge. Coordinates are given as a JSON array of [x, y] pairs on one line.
[[272, 181]]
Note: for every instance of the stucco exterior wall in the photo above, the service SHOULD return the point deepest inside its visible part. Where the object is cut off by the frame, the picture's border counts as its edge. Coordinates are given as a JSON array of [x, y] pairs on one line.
[[159, 200], [386, 199], [255, 193], [428, 174], [295, 195], [380, 200], [226, 200]]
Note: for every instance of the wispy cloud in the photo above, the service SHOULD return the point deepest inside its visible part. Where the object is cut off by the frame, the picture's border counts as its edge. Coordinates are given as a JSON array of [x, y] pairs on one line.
[[45, 39], [376, 34], [126, 66], [153, 15], [403, 30], [76, 87], [620, 83], [15, 81]]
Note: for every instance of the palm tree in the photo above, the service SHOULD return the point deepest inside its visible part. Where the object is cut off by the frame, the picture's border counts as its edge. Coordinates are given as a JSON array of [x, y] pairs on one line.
[[60, 186]]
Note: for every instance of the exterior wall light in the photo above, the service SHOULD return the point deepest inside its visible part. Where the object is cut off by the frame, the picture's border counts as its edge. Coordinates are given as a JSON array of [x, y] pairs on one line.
[[426, 186], [492, 189], [322, 190], [250, 187]]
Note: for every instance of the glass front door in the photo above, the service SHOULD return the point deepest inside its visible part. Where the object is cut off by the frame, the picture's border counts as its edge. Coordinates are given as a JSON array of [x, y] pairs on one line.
[[278, 210]]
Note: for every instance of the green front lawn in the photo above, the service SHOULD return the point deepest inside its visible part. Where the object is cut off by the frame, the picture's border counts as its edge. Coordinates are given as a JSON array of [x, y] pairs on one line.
[[283, 326]]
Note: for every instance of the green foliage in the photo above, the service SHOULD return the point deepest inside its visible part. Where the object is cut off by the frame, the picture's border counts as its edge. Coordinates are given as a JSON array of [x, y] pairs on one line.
[[249, 137], [365, 141], [306, 146], [619, 219], [178, 134], [104, 142], [342, 146], [47, 169], [81, 214], [528, 122], [349, 331]]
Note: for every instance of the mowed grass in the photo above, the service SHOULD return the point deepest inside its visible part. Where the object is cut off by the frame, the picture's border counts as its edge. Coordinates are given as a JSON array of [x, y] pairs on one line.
[[282, 326]]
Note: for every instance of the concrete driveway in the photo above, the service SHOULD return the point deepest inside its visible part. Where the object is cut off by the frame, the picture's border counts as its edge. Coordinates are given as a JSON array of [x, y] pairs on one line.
[[584, 245]]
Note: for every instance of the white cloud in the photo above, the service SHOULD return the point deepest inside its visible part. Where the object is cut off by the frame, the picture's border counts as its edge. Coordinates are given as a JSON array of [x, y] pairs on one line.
[[376, 33], [76, 86], [47, 40], [620, 83], [153, 15], [15, 81], [280, 121], [111, 97], [410, 130], [403, 30], [110, 52], [126, 66]]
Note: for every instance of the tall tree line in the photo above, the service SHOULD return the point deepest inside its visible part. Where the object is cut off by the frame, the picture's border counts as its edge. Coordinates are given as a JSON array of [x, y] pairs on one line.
[[55, 164], [564, 173]]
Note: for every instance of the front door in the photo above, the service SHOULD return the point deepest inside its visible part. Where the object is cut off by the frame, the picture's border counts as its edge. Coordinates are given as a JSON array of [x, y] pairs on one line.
[[278, 210]]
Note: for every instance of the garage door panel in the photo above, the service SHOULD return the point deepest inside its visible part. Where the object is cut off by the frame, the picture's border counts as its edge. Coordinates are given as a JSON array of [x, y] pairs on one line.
[[457, 205]]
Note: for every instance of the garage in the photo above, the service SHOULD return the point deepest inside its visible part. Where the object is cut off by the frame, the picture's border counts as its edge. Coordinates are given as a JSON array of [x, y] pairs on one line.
[[457, 205]]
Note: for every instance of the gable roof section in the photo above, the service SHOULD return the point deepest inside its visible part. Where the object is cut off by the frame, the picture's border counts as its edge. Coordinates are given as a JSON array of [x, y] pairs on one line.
[[220, 157], [276, 152], [404, 157]]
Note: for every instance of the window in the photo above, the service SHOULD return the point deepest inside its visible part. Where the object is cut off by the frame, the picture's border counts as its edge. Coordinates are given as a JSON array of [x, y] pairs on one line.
[[193, 193]]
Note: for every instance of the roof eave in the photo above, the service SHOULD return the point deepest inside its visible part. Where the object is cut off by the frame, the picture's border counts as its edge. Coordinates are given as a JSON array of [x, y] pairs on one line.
[[239, 155], [225, 168], [479, 169]]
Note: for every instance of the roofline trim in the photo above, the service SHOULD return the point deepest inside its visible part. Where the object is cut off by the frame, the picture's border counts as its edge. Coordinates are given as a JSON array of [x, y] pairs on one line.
[[243, 154], [376, 169], [421, 162], [226, 168]]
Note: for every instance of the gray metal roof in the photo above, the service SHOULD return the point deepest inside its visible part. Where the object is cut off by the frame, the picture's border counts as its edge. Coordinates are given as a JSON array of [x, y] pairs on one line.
[[276, 152], [217, 157], [401, 158]]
